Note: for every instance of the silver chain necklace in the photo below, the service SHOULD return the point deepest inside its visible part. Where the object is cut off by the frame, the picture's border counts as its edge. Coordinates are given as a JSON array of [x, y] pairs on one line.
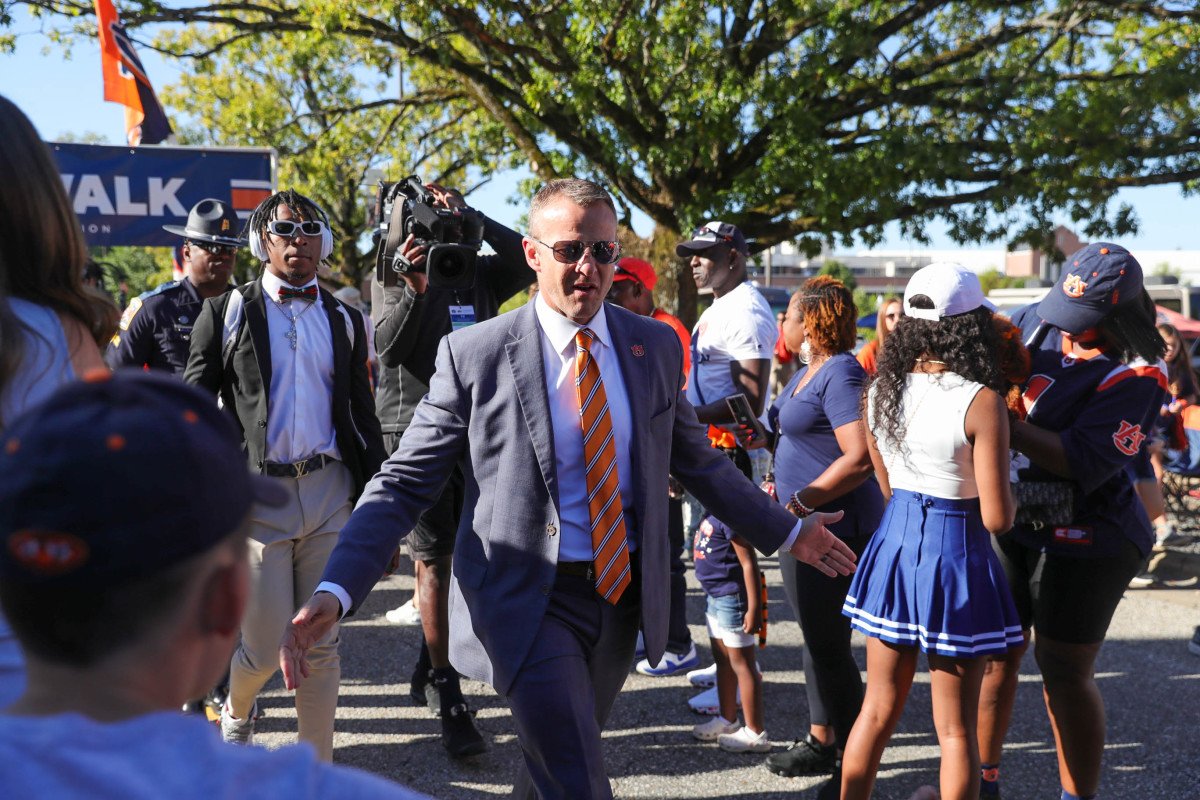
[[292, 334]]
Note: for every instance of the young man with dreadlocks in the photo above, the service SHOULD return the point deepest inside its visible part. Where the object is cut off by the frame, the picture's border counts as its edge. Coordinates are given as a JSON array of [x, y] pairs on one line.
[[289, 361]]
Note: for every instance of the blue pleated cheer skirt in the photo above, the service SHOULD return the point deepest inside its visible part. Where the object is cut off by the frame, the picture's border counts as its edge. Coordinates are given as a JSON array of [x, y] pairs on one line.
[[929, 578]]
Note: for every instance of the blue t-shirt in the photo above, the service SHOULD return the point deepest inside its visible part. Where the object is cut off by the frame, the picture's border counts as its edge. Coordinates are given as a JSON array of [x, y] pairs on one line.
[[166, 754], [717, 565], [807, 443], [1103, 410]]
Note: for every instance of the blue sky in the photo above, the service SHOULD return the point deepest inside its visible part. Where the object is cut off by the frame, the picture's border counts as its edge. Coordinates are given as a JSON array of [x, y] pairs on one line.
[[65, 95]]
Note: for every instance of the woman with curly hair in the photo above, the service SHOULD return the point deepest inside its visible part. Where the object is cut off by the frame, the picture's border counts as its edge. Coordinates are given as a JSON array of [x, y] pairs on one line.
[[890, 311], [51, 326], [1093, 398], [929, 581], [822, 464]]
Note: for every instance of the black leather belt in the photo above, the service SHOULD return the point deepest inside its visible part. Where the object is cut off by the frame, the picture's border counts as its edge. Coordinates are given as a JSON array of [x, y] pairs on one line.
[[577, 569], [297, 469]]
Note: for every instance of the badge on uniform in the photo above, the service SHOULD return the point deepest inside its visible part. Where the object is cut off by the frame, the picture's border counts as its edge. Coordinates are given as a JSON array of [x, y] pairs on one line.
[[638, 351]]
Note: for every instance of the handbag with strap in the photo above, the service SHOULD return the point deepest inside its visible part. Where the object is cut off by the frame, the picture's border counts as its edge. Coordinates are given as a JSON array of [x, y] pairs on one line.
[[1043, 504]]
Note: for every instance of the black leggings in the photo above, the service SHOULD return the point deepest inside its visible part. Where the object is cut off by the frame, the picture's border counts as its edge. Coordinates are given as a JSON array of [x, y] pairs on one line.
[[832, 680]]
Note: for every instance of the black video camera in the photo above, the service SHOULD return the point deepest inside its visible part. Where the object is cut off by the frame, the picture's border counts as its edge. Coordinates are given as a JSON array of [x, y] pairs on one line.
[[452, 237]]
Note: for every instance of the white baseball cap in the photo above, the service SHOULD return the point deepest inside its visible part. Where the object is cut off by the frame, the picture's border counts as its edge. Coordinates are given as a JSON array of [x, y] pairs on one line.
[[953, 288]]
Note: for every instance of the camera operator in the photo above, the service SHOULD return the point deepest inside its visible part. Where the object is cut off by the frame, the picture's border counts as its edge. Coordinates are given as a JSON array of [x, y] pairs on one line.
[[410, 320]]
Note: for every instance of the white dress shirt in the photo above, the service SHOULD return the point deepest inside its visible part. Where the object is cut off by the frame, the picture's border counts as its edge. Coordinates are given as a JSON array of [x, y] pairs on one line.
[[300, 407], [558, 359]]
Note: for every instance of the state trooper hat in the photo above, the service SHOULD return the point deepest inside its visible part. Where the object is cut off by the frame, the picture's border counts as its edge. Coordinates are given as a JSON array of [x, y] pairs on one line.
[[210, 220]]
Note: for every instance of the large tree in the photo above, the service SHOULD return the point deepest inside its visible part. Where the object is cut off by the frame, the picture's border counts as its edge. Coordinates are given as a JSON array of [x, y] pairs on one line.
[[798, 119], [334, 108]]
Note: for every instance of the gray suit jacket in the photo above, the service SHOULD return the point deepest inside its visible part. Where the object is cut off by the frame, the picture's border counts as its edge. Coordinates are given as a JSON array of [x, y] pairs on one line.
[[487, 405]]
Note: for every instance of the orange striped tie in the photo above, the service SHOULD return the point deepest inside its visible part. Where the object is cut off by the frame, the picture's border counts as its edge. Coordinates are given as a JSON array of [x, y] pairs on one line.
[[610, 554]]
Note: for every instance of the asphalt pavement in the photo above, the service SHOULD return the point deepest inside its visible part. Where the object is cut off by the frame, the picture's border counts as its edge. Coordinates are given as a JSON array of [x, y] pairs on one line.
[[1150, 682]]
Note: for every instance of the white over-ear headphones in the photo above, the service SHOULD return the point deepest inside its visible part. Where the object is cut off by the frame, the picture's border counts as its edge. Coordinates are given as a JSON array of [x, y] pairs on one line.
[[258, 247]]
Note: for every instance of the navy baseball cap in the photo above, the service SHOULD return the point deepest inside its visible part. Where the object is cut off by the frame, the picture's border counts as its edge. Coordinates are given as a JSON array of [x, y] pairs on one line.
[[118, 477], [713, 233], [1094, 281]]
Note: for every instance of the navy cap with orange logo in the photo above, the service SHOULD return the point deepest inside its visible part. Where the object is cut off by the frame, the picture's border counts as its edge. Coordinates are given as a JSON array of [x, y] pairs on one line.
[[1094, 281], [116, 478]]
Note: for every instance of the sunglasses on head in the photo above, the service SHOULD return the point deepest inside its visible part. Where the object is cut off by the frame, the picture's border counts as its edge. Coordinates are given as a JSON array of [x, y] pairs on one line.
[[287, 228], [570, 251], [212, 248], [709, 235]]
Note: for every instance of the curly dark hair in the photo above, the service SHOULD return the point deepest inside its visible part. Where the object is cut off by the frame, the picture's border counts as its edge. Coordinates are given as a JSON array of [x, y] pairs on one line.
[[968, 343]]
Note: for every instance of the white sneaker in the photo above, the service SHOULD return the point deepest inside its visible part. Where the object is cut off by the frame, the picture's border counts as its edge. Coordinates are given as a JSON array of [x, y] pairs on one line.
[[670, 664], [406, 614], [704, 677], [744, 741], [715, 727], [238, 731], [707, 702]]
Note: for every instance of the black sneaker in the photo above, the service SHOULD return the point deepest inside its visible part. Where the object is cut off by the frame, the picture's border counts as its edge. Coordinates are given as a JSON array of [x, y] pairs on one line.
[[1194, 644], [424, 692], [805, 757], [459, 734]]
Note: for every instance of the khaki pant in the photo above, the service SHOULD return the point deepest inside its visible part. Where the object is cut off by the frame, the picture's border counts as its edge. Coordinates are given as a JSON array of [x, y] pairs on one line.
[[288, 550]]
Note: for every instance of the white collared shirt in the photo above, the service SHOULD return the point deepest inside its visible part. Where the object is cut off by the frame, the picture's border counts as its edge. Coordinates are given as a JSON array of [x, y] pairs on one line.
[[300, 407], [558, 358]]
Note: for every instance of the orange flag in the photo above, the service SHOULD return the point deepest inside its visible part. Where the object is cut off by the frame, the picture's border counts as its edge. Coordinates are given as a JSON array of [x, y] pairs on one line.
[[125, 81]]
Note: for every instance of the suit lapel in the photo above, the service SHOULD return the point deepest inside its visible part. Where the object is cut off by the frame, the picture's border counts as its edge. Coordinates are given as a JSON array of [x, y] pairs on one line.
[[635, 371], [341, 342], [260, 335], [524, 351]]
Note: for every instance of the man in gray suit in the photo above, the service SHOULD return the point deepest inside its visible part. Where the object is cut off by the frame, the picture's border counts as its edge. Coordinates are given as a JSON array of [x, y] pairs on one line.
[[562, 546]]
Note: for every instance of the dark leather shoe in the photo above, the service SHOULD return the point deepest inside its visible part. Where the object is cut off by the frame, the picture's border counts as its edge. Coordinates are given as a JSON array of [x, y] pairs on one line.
[[459, 734]]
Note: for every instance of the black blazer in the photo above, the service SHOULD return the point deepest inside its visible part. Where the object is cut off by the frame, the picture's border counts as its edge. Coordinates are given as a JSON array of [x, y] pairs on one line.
[[244, 382]]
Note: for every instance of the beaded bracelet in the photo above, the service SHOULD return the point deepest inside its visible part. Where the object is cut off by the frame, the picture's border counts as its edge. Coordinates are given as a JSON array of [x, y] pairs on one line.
[[797, 507]]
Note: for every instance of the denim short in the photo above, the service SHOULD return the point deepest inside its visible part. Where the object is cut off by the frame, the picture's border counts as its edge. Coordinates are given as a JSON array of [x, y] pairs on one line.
[[725, 616]]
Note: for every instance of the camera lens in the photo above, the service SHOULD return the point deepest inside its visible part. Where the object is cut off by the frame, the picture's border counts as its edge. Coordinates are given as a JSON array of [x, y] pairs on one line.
[[453, 264]]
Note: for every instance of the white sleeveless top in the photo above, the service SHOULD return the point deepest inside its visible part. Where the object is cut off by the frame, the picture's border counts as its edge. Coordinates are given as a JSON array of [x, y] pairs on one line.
[[935, 456]]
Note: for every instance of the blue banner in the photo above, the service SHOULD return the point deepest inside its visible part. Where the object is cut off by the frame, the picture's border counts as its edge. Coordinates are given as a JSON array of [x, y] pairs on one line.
[[124, 195]]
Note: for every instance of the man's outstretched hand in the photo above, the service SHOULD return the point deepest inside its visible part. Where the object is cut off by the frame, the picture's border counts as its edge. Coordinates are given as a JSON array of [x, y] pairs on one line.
[[314, 619], [817, 546]]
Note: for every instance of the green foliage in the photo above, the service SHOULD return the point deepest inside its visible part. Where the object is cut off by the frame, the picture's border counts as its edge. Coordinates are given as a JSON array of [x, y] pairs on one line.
[[837, 269], [1165, 268], [332, 109], [995, 279], [516, 301], [130, 271], [813, 120]]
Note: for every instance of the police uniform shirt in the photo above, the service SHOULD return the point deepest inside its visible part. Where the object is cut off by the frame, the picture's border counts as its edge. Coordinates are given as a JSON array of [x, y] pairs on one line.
[[156, 329], [1102, 409]]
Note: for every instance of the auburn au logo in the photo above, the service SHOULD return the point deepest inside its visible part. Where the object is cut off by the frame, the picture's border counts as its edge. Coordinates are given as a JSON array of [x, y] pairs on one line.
[[1074, 286], [1129, 438], [47, 552]]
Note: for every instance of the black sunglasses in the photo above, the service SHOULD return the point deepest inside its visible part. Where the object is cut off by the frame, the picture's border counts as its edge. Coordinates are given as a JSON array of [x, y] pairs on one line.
[[287, 228], [212, 248], [570, 251]]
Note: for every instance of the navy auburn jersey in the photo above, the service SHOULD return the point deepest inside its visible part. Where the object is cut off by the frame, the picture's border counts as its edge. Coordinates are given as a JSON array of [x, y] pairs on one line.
[[1103, 410], [156, 329]]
